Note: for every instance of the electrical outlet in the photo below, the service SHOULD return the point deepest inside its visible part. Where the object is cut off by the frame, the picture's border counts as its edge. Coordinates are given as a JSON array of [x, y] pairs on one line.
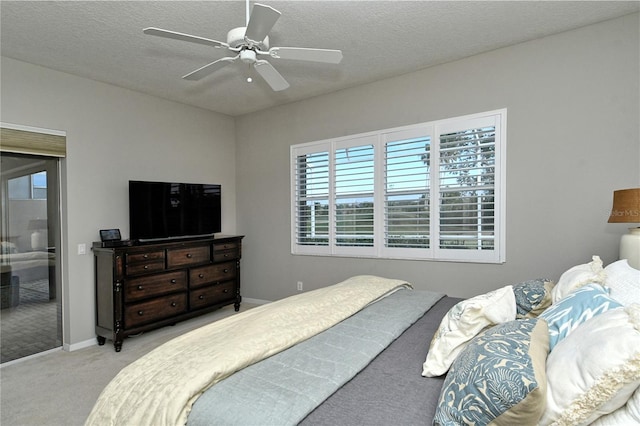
[[299, 285], [82, 249]]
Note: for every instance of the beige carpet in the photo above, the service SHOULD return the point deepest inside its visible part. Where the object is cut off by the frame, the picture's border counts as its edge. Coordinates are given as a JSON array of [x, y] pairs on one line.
[[31, 326], [60, 388]]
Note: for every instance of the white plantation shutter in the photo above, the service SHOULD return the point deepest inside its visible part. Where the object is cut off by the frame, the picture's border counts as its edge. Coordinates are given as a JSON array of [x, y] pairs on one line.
[[467, 189], [429, 191], [469, 185], [354, 190], [406, 190], [312, 199]]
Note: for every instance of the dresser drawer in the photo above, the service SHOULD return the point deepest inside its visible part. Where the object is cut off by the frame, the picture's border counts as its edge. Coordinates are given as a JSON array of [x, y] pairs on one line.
[[222, 255], [145, 267], [188, 256], [154, 310], [234, 245], [212, 295], [146, 257], [226, 251], [154, 285], [211, 274]]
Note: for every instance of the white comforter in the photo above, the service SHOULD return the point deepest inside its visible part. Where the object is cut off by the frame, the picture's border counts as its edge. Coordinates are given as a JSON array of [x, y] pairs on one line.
[[160, 388], [20, 261]]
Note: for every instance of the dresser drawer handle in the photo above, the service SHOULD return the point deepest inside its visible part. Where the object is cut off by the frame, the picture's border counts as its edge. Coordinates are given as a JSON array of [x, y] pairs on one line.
[[200, 275], [226, 290], [225, 270], [226, 255], [146, 266], [146, 256], [140, 287], [174, 304], [201, 297], [189, 255], [140, 313], [173, 281]]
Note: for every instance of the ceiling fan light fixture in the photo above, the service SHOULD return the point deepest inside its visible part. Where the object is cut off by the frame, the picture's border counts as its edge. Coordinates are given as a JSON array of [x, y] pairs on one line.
[[248, 56]]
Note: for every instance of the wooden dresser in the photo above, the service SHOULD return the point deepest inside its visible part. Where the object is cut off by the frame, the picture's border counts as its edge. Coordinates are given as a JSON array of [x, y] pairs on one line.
[[146, 286]]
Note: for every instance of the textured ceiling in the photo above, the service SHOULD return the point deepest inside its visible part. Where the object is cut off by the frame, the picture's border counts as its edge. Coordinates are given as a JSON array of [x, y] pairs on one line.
[[103, 41]]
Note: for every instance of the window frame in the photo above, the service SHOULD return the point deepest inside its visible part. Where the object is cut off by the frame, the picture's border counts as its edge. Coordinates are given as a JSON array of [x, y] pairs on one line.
[[379, 139]]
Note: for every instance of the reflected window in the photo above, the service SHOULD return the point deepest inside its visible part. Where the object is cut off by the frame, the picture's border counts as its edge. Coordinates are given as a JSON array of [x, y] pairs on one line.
[[29, 187]]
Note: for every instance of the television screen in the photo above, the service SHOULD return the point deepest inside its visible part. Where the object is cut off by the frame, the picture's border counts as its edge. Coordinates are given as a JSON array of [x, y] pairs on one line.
[[161, 210]]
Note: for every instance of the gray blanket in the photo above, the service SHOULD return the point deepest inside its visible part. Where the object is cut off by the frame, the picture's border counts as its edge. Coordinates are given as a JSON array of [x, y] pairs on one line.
[[391, 389], [283, 389]]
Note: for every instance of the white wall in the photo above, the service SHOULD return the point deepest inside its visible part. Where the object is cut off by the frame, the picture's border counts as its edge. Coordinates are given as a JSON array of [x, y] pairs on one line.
[[573, 137], [114, 135]]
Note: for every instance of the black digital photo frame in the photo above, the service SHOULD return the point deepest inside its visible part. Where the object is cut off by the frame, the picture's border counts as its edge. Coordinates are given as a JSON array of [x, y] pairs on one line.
[[107, 235]]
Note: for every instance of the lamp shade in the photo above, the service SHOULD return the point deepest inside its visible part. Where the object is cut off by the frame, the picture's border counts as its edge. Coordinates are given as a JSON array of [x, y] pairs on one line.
[[626, 206]]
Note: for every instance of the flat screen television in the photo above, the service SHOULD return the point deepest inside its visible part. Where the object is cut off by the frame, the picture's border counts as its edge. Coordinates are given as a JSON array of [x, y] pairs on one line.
[[163, 210]]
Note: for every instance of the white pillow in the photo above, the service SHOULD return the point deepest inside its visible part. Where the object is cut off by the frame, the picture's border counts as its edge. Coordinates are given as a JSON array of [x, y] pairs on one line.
[[7, 247], [624, 282], [577, 277], [576, 308], [595, 369], [629, 414], [463, 322]]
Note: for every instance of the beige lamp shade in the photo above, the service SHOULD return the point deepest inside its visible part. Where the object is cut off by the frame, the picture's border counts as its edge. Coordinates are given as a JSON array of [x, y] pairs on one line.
[[626, 206], [626, 209]]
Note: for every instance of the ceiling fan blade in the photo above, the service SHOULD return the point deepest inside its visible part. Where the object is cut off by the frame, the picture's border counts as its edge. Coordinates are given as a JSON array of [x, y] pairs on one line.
[[262, 19], [306, 54], [271, 75], [183, 37], [209, 68]]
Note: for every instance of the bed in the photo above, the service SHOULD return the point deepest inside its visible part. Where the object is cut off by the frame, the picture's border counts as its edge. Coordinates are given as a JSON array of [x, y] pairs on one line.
[[373, 351]]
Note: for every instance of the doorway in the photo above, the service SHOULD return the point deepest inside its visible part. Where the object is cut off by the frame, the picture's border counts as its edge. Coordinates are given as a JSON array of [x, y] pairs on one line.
[[30, 294]]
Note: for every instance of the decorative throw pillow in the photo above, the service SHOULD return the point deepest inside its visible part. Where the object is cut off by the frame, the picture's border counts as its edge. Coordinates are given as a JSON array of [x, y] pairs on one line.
[[624, 282], [499, 378], [582, 304], [532, 297], [462, 323], [578, 276], [628, 414], [7, 248], [595, 369]]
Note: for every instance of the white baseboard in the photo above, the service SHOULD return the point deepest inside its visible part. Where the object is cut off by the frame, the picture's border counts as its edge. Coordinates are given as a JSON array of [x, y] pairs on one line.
[[255, 301], [80, 345]]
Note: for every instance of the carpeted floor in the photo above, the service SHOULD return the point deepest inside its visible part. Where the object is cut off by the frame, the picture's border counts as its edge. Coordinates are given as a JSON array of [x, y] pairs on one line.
[[32, 326], [59, 388]]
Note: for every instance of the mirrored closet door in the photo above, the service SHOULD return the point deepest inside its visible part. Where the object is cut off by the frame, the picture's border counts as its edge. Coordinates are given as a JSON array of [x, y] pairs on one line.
[[30, 302]]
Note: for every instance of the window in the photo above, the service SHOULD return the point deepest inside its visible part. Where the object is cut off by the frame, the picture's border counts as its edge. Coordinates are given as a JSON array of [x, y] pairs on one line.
[[428, 191], [28, 187]]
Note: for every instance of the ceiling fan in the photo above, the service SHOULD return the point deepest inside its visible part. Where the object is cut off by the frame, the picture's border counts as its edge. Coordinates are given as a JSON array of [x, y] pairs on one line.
[[249, 44]]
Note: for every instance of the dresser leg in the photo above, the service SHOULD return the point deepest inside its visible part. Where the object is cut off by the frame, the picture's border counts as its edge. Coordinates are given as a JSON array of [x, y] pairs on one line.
[[101, 340], [117, 345]]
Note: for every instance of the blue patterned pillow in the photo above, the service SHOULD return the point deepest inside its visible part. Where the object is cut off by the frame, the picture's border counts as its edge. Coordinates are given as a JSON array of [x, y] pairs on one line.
[[532, 297], [499, 377], [577, 307]]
